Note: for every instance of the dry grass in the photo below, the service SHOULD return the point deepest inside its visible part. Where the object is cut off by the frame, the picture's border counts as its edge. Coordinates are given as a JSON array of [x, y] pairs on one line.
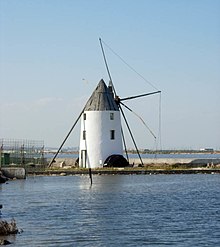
[[7, 228]]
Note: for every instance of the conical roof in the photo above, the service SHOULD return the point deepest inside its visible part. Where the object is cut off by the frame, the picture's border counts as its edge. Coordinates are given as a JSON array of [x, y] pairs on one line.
[[102, 99]]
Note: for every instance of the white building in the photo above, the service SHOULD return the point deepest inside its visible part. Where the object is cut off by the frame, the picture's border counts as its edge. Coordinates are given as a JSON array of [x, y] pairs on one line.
[[100, 135]]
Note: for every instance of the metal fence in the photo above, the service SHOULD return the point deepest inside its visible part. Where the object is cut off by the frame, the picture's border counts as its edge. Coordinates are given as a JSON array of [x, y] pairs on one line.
[[21, 152]]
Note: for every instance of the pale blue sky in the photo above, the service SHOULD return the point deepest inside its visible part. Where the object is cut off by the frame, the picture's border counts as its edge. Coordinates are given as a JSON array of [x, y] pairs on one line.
[[51, 61]]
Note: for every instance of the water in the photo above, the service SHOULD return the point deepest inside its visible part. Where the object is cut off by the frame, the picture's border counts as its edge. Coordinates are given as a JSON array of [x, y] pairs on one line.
[[120, 210]]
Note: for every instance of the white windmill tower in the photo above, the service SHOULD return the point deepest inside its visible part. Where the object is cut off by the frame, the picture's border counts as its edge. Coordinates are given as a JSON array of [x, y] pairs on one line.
[[100, 135]]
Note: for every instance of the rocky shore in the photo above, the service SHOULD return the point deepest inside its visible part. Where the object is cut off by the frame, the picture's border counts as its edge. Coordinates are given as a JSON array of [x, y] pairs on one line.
[[66, 166], [122, 171], [3, 179], [154, 163], [6, 228]]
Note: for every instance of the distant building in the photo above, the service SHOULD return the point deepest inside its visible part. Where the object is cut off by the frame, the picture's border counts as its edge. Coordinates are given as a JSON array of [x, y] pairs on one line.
[[207, 149]]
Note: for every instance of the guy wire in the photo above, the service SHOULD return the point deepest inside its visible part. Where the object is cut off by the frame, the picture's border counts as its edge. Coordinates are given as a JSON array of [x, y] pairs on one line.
[[129, 66]]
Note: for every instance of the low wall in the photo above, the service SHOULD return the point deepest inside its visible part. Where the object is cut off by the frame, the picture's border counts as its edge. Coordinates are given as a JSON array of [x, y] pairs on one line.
[[160, 161], [62, 162], [14, 172], [176, 161]]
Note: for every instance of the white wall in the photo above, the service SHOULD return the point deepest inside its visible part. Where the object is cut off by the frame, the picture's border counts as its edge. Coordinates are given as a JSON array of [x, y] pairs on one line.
[[98, 144]]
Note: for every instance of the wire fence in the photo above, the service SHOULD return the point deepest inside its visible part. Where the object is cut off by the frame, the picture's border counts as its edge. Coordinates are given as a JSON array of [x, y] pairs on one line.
[[21, 152]]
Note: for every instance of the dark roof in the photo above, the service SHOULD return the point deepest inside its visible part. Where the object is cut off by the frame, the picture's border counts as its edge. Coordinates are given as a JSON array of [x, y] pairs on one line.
[[102, 99]]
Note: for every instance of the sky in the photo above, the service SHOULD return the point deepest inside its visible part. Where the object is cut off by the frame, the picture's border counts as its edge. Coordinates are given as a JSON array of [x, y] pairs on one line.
[[51, 61]]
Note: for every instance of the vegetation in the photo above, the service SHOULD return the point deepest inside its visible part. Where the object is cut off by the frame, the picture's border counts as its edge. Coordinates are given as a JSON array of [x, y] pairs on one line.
[[7, 228]]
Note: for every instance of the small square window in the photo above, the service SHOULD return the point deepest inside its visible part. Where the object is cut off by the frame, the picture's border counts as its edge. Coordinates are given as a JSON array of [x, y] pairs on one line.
[[112, 134], [84, 134], [111, 116]]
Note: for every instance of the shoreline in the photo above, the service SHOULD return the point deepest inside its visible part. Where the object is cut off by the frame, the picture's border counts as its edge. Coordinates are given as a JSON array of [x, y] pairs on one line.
[[123, 171], [66, 167], [189, 162]]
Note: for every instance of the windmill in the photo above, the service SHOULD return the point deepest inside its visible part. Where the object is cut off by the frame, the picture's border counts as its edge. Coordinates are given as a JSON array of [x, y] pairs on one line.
[[101, 135]]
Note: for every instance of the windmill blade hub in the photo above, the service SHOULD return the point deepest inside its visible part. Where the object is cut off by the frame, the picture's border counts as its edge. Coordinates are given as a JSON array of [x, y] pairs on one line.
[[117, 100]]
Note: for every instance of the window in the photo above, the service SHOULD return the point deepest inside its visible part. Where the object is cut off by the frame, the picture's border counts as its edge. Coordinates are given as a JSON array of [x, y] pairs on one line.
[[84, 116], [83, 158], [112, 134], [111, 116], [84, 134]]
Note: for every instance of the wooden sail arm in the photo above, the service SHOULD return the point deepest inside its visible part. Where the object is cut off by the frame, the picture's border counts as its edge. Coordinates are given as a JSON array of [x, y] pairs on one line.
[[140, 95]]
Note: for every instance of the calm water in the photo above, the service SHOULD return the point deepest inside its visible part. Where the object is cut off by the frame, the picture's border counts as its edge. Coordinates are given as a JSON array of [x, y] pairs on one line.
[[136, 210]]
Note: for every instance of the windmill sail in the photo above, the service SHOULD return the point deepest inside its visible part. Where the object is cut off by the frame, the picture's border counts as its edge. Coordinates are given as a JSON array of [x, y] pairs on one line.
[[140, 95]]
